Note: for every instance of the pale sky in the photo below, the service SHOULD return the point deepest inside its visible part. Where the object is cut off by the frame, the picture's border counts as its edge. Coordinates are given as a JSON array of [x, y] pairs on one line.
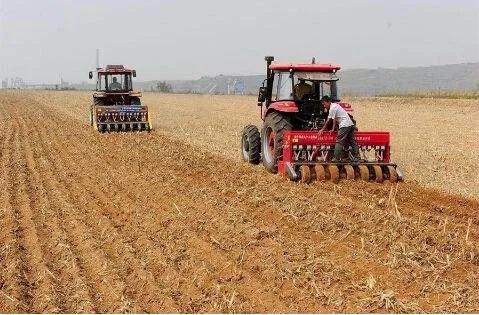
[[44, 39]]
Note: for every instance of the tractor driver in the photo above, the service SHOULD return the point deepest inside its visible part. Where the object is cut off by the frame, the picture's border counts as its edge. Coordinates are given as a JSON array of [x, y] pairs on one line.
[[301, 89], [115, 85], [346, 132]]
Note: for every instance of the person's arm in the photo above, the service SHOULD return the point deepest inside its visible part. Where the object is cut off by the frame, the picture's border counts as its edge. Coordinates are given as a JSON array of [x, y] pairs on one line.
[[331, 115], [325, 125], [334, 125]]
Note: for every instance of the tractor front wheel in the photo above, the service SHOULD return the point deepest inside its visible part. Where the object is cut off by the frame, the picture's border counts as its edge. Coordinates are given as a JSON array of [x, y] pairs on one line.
[[135, 101], [251, 145], [275, 124]]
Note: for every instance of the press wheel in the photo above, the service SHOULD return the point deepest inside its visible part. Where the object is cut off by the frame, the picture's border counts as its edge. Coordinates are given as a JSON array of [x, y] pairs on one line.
[[378, 173], [393, 175], [364, 172], [334, 173], [305, 174], [320, 172], [349, 171]]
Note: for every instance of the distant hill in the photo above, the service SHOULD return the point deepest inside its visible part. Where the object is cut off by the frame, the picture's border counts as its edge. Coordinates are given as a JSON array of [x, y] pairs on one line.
[[362, 82], [455, 77]]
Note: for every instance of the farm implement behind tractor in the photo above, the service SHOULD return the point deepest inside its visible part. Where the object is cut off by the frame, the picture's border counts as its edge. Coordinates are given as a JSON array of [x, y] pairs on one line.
[[289, 142], [116, 106], [307, 156]]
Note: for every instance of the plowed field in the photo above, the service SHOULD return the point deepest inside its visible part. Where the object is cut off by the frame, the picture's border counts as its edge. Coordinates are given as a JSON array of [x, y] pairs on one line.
[[171, 221]]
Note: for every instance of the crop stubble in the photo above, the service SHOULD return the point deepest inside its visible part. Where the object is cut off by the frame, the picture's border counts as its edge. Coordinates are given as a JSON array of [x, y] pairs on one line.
[[157, 222]]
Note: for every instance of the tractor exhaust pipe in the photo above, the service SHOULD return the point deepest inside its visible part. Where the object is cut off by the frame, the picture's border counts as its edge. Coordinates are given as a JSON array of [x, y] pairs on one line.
[[269, 60], [269, 77]]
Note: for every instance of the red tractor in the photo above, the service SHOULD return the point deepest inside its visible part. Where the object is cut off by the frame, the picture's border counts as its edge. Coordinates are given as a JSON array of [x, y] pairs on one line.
[[289, 142], [116, 106]]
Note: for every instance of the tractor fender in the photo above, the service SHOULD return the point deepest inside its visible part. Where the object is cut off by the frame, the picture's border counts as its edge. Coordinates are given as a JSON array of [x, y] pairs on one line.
[[282, 107], [347, 107]]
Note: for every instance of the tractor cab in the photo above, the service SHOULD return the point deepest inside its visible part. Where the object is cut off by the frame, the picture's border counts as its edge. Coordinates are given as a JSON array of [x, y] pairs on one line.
[[297, 89], [114, 78], [290, 83], [114, 86], [114, 82]]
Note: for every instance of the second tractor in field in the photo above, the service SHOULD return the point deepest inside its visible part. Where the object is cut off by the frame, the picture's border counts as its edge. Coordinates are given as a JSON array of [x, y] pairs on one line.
[[116, 106]]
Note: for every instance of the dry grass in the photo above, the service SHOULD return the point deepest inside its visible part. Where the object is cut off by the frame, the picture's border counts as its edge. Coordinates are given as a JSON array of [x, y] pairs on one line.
[[172, 221], [435, 94], [433, 140]]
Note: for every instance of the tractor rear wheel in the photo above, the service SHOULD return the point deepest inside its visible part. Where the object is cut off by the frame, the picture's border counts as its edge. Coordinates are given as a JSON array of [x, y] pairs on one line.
[[251, 145], [275, 124]]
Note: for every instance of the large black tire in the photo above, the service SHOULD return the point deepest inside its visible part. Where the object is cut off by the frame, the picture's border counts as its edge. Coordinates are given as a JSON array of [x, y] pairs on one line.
[[251, 145], [272, 146]]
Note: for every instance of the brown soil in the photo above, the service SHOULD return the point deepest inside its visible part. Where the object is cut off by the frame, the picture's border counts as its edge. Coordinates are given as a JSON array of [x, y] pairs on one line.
[[147, 222]]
